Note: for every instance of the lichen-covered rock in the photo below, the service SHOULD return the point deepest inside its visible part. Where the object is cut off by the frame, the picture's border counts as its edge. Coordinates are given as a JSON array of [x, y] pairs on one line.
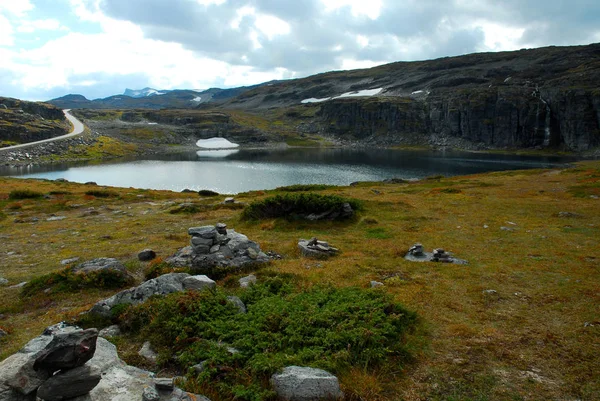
[[297, 383]]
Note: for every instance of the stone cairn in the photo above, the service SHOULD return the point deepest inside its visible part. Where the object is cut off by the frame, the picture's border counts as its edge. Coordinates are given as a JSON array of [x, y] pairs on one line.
[[313, 248], [417, 254]]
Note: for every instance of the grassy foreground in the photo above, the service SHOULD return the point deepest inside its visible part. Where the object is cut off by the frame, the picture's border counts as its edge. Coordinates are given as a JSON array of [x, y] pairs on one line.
[[531, 236]]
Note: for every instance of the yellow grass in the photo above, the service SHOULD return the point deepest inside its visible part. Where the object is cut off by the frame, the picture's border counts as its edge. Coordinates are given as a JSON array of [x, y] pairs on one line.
[[529, 341]]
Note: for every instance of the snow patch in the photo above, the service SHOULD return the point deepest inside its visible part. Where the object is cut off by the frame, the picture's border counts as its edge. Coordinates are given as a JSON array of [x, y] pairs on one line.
[[216, 143], [216, 153], [417, 92], [152, 123], [364, 92], [196, 99]]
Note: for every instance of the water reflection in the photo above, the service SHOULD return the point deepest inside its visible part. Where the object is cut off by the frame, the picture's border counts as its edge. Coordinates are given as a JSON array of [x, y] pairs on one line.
[[232, 170]]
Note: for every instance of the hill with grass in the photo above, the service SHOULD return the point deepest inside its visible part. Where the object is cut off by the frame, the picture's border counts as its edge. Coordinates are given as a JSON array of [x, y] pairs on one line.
[[519, 321]]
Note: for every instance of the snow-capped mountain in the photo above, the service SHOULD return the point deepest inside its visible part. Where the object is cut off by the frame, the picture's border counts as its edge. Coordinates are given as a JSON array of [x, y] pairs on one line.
[[138, 93]]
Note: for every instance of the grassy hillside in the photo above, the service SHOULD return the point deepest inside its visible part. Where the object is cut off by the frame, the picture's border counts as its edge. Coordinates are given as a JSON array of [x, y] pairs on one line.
[[530, 236]]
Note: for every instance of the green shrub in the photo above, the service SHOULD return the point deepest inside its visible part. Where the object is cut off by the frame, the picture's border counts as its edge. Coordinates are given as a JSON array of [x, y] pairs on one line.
[[206, 192], [158, 268], [67, 281], [325, 327], [187, 208], [304, 187], [24, 194], [99, 193], [296, 205]]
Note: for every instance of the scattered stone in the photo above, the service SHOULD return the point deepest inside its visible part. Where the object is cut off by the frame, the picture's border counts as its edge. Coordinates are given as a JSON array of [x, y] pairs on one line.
[[147, 352], [198, 283], [417, 254], [199, 368], [110, 331], [150, 394], [20, 285], [164, 383], [56, 218], [297, 383], [506, 228], [101, 264], [237, 302], [229, 200], [69, 261], [245, 282], [316, 249], [69, 384], [375, 284], [3, 281], [162, 285], [146, 255], [569, 215], [67, 351]]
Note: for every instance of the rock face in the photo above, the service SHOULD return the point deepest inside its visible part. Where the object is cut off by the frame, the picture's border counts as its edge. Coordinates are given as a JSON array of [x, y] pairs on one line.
[[297, 383], [216, 250], [22, 121], [103, 265], [165, 284], [313, 248]]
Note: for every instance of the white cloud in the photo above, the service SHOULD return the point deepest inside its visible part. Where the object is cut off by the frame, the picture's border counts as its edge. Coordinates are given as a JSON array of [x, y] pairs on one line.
[[272, 26], [6, 32], [499, 37], [16, 7], [370, 8], [30, 26]]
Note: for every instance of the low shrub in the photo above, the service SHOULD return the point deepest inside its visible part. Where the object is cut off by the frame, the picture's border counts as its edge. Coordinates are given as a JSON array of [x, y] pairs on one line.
[[99, 193], [324, 327], [24, 194], [206, 192], [67, 281], [297, 205], [158, 267], [187, 208]]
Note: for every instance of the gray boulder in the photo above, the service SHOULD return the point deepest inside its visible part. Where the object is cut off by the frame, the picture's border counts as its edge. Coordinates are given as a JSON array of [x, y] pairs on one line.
[[297, 383], [183, 257], [110, 331], [3, 281], [69, 384], [237, 302], [67, 351], [99, 264], [247, 281], [17, 372], [165, 284], [147, 352]]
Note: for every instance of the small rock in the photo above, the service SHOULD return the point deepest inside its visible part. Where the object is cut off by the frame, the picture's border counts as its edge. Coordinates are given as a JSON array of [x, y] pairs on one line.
[[237, 302], [3, 281], [297, 383], [252, 254], [229, 200], [199, 368], [69, 384], [146, 255], [147, 352], [375, 284], [56, 218], [110, 331], [207, 232], [506, 229], [164, 383], [150, 394], [20, 285], [245, 282], [416, 250], [490, 292], [199, 283], [221, 228], [4, 333], [69, 261]]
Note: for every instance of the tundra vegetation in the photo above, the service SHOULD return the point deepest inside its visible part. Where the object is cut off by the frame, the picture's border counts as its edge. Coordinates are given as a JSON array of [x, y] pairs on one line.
[[520, 321]]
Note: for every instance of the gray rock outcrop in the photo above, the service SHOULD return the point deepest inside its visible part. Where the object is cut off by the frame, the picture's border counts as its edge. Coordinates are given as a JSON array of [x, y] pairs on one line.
[[103, 265], [297, 383], [165, 284]]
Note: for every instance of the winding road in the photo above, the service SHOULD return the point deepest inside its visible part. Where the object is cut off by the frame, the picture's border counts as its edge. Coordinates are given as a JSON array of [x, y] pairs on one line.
[[77, 130]]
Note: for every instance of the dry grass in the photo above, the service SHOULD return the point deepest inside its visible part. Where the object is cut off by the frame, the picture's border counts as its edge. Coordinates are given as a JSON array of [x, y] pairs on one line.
[[529, 341]]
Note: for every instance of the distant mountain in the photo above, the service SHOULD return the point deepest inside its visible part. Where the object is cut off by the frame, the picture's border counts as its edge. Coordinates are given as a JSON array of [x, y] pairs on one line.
[[137, 93]]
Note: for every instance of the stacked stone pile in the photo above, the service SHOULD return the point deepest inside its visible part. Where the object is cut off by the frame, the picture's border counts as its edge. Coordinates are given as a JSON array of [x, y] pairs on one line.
[[216, 250], [313, 248], [417, 253]]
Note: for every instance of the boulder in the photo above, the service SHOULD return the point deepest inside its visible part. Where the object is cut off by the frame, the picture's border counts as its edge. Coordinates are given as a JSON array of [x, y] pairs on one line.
[[375, 284], [67, 351], [146, 255], [237, 302], [69, 384], [297, 383], [102, 264], [162, 285], [7, 393], [183, 257], [17, 372]]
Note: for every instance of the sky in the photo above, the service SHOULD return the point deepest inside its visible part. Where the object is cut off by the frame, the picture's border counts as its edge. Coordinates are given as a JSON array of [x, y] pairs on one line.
[[98, 48]]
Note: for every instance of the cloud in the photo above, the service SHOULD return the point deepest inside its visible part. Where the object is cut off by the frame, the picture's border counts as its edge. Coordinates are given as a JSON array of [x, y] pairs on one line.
[[30, 26], [15, 7]]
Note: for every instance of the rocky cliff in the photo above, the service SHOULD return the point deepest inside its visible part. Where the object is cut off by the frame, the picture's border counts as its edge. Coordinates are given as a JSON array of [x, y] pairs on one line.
[[22, 122]]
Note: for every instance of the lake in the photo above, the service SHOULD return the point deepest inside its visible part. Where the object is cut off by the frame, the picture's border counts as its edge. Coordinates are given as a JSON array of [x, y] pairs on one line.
[[234, 171]]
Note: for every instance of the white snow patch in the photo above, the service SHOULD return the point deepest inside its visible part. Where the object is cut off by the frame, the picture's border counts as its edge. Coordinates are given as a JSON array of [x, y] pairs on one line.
[[364, 92], [196, 99], [417, 92], [152, 123], [216, 153], [216, 143], [315, 100]]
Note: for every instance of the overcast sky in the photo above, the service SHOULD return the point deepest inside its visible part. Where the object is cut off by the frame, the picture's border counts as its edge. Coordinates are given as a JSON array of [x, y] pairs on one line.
[[97, 48]]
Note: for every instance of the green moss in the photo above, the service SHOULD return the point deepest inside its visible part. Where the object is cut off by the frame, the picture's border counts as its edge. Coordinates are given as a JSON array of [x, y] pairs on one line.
[[24, 194]]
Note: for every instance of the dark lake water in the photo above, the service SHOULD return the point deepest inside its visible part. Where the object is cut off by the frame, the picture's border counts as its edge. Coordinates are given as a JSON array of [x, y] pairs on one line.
[[244, 170]]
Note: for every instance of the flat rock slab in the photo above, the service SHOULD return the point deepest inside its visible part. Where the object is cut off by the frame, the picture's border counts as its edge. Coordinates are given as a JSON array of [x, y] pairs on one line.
[[69, 384], [428, 257], [296, 383]]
